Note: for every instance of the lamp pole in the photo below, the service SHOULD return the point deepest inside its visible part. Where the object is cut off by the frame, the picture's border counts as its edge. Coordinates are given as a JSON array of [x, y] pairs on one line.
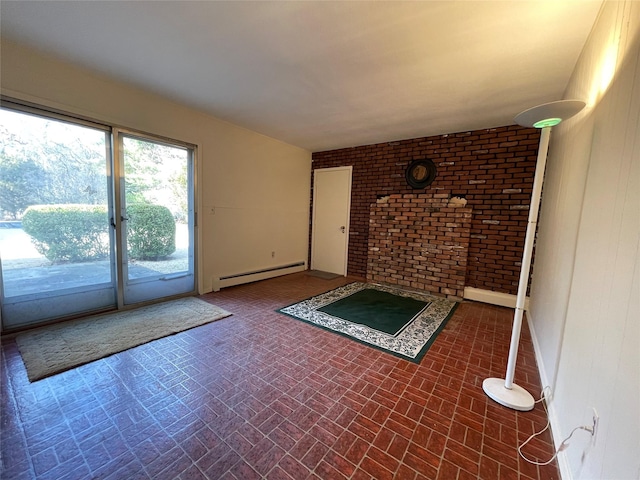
[[505, 392]]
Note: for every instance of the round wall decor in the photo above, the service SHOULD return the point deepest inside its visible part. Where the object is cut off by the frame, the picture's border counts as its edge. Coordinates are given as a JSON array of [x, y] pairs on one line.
[[420, 173]]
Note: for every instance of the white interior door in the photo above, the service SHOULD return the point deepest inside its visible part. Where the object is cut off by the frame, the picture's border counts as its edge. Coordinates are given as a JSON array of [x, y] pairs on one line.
[[330, 228]]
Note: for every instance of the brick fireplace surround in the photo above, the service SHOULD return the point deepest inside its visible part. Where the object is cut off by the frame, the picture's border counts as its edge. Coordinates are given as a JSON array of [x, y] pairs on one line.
[[419, 241], [493, 169]]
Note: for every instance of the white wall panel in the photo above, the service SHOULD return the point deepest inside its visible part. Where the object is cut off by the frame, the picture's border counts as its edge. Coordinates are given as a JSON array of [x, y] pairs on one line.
[[585, 300]]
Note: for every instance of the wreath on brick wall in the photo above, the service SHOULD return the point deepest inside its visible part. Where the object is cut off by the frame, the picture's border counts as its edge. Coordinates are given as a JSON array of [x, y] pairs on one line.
[[420, 173]]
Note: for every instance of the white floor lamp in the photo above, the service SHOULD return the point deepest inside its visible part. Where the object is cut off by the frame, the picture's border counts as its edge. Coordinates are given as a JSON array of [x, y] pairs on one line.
[[545, 116]]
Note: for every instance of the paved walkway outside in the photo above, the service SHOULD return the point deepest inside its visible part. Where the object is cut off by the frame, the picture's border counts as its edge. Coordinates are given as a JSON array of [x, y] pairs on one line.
[[25, 271]]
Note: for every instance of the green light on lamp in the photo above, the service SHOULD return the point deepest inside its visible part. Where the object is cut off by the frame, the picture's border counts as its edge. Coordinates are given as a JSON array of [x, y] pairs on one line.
[[547, 122]]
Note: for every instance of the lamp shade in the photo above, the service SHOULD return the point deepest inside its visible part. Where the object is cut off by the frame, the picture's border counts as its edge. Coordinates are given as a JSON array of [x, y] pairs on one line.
[[549, 114]]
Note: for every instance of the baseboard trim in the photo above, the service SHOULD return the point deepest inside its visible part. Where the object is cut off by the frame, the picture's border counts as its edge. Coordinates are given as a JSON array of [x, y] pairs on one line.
[[248, 277], [492, 298], [554, 426]]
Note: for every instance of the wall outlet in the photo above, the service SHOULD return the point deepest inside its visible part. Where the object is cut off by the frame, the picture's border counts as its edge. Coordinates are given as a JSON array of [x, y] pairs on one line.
[[273, 254]]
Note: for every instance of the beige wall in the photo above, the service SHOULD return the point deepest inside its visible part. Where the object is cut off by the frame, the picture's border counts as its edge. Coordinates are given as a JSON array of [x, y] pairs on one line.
[[258, 186], [585, 296]]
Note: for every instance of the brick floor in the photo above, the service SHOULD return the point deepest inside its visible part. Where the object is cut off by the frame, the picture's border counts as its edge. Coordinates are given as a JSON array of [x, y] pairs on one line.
[[262, 395]]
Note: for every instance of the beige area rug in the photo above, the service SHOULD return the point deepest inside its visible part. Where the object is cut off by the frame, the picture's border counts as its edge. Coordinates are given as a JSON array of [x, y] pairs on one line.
[[56, 348]]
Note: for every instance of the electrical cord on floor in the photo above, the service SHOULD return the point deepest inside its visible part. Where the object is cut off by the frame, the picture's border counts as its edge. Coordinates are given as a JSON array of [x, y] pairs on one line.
[[563, 445]]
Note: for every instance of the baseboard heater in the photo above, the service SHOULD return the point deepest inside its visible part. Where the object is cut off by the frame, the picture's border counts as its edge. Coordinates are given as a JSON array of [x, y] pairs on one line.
[[492, 298], [246, 277]]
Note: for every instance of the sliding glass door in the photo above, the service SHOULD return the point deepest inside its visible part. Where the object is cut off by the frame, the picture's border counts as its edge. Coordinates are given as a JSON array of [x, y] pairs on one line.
[[56, 246], [157, 218], [91, 218]]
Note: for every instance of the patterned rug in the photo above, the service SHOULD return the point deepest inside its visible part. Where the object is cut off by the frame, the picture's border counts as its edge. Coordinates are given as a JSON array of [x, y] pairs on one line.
[[403, 323], [55, 348]]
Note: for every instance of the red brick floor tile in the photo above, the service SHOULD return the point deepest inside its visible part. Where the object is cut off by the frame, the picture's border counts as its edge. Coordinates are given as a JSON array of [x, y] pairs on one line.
[[375, 469], [262, 395], [344, 442], [420, 465], [425, 456], [383, 458], [192, 473], [398, 447], [341, 464], [405, 472], [384, 438], [357, 451], [362, 432], [302, 446], [244, 471], [464, 457], [346, 417], [325, 470], [268, 460], [278, 474], [448, 470], [313, 456], [293, 467], [489, 468]]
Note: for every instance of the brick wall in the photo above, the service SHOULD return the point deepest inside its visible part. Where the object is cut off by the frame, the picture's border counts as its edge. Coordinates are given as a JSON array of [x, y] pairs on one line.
[[492, 168], [419, 241]]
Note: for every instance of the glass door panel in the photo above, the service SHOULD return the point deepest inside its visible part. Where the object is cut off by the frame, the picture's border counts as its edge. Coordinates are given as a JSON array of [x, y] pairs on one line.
[[56, 244], [157, 218]]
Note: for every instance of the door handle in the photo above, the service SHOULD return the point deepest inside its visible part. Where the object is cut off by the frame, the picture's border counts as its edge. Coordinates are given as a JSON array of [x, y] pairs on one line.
[[343, 229], [112, 220]]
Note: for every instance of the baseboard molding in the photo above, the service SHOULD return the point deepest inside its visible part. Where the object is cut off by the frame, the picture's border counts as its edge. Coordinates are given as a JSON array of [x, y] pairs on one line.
[[248, 277], [492, 298], [554, 426]]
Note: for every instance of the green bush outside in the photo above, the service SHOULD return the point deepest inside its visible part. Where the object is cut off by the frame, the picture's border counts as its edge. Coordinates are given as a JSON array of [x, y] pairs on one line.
[[78, 233], [151, 231], [72, 233]]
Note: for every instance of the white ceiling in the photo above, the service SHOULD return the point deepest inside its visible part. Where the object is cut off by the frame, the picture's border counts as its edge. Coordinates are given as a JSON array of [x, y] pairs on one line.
[[320, 74]]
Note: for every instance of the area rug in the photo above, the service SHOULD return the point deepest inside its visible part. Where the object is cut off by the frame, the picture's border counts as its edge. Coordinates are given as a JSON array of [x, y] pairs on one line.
[[403, 323], [56, 348]]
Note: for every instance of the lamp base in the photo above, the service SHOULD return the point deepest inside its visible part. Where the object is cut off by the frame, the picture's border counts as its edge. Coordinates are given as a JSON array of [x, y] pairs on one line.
[[516, 398]]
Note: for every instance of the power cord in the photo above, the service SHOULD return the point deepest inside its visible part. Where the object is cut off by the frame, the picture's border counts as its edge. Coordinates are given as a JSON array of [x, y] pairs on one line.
[[563, 445]]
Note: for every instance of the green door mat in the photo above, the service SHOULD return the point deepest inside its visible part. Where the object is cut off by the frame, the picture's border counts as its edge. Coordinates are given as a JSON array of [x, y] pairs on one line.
[[379, 310]]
